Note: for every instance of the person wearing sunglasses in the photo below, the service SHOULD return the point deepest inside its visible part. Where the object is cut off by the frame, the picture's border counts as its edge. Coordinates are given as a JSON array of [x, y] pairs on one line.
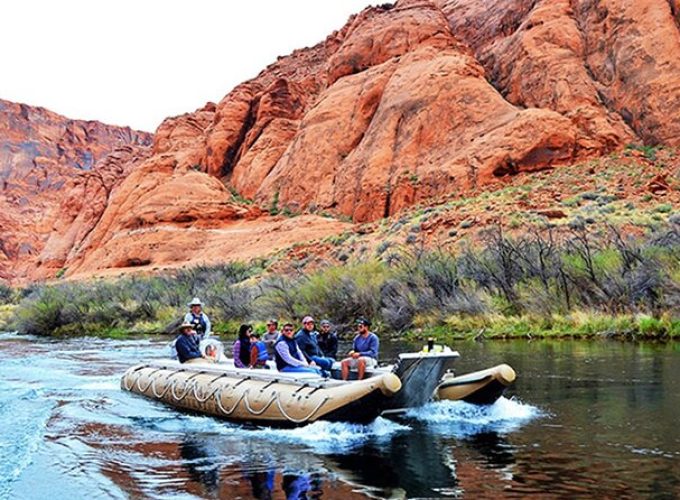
[[288, 356]]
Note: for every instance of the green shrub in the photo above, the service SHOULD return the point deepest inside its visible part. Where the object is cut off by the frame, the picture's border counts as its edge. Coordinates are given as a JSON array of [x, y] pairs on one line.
[[6, 294], [650, 327]]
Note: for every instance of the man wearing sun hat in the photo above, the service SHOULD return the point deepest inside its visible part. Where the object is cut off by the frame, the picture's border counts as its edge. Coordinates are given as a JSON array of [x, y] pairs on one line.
[[364, 353], [198, 319], [187, 345]]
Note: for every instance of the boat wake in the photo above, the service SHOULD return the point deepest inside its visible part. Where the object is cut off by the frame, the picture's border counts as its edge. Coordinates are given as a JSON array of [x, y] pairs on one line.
[[463, 419], [333, 437], [23, 418]]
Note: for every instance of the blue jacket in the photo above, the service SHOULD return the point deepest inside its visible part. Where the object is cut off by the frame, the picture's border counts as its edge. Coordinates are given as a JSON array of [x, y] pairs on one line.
[[262, 354], [367, 346], [308, 344], [187, 348]]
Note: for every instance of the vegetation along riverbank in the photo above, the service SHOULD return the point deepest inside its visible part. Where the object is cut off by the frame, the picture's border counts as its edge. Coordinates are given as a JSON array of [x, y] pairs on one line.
[[570, 281]]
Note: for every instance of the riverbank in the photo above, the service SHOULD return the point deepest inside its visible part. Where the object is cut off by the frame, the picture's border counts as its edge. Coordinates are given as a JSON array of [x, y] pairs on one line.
[[570, 282]]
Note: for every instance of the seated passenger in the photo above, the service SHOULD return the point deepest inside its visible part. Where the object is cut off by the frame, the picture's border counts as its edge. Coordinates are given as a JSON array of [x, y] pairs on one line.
[[258, 352], [328, 340], [306, 340], [241, 348], [187, 345], [364, 352], [271, 336], [289, 357], [211, 351]]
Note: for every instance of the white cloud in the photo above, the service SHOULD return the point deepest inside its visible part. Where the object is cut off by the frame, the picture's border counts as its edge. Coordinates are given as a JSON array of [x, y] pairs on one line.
[[134, 62]]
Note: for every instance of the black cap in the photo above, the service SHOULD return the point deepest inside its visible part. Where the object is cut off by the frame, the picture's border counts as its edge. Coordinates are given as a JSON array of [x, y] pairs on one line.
[[363, 321]]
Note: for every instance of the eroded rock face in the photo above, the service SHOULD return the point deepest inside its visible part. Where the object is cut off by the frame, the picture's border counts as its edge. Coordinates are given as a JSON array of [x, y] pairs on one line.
[[428, 97], [406, 103], [42, 156]]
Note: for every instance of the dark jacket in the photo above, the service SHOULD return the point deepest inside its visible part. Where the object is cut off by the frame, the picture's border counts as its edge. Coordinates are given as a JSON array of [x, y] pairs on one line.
[[187, 348], [308, 344], [328, 344], [293, 350]]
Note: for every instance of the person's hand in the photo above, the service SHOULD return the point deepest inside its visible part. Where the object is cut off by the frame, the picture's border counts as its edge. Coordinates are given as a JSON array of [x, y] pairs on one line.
[[312, 363], [355, 355]]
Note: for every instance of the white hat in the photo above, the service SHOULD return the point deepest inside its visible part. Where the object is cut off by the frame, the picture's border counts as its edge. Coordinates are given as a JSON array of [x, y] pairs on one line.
[[195, 302]]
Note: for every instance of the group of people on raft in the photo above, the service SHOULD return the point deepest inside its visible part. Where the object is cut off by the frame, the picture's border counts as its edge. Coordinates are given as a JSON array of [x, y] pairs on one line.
[[306, 350]]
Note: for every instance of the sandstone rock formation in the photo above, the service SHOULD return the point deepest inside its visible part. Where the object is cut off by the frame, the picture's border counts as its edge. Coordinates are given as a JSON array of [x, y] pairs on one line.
[[42, 154], [405, 104], [419, 99]]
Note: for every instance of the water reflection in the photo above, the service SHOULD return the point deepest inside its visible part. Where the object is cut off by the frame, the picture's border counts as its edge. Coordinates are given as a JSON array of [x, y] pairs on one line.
[[588, 419], [198, 456], [261, 483]]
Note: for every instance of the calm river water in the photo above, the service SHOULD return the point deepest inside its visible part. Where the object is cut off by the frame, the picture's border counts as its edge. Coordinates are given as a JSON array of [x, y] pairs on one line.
[[585, 419]]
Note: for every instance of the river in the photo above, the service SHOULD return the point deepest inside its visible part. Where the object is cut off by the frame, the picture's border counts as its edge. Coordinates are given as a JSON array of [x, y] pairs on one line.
[[584, 419]]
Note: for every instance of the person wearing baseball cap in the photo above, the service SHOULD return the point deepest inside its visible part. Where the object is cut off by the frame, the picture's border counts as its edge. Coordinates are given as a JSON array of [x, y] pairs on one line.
[[306, 339], [364, 353], [328, 340], [198, 319]]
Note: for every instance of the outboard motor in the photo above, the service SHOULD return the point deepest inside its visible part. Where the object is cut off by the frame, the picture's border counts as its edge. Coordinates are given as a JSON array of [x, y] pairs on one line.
[[420, 374]]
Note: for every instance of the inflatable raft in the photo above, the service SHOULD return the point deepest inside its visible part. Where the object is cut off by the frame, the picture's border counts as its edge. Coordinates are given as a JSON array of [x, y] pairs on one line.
[[265, 397], [482, 387]]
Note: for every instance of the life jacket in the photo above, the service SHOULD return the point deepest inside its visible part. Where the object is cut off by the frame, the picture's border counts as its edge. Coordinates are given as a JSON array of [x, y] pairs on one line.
[[262, 354], [199, 324], [292, 347]]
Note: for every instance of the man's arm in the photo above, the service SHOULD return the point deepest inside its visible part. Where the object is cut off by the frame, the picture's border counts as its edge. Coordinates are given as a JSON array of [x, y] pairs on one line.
[[186, 349], [304, 346], [208, 327], [284, 352], [333, 345], [236, 351], [373, 345]]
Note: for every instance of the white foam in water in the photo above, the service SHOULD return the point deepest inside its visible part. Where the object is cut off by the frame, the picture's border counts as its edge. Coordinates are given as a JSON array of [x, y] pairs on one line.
[[105, 385], [464, 419], [332, 437], [23, 417]]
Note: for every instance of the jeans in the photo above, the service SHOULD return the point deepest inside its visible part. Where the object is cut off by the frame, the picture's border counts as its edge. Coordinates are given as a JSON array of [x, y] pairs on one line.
[[323, 363]]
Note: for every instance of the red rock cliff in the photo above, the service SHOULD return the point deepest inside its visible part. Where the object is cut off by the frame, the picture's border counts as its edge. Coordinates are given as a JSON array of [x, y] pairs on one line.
[[405, 103], [423, 98], [42, 155]]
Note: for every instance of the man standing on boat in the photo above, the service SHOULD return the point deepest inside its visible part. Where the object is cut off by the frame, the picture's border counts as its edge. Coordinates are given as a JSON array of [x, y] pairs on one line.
[[198, 319], [364, 353], [306, 339], [289, 357]]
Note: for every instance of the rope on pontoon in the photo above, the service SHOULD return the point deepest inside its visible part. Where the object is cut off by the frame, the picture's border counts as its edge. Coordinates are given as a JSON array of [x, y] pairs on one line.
[[264, 408], [210, 394], [304, 419], [191, 385], [218, 399], [139, 379], [167, 386]]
